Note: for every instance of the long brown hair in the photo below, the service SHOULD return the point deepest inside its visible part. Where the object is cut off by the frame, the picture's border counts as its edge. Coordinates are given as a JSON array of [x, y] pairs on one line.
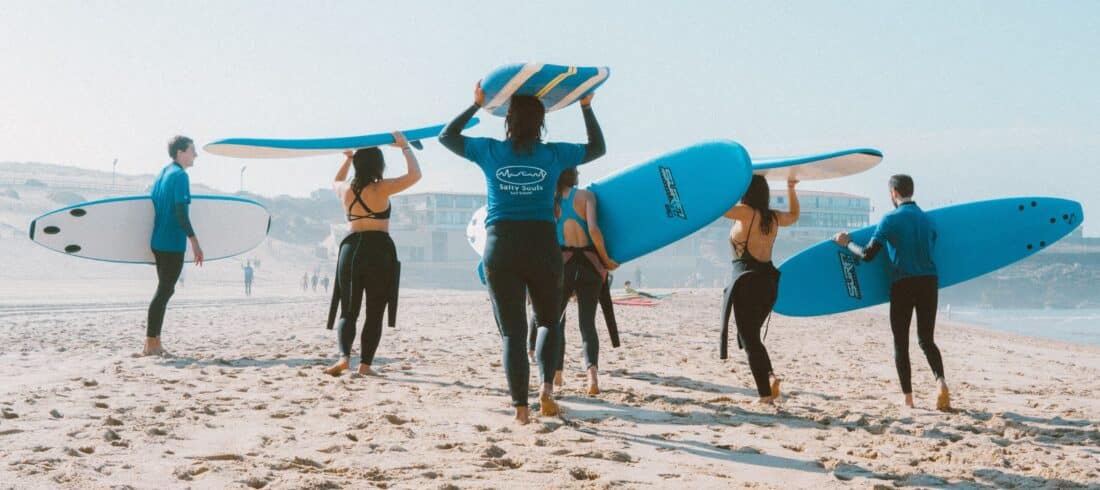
[[758, 197], [525, 123], [369, 165]]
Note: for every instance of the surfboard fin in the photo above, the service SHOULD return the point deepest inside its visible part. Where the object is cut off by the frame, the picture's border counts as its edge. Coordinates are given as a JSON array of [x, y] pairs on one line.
[[481, 273], [416, 144]]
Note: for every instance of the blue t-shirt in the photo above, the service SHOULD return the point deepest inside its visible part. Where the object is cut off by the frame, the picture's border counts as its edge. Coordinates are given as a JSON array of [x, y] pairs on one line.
[[521, 187], [172, 187], [909, 237]]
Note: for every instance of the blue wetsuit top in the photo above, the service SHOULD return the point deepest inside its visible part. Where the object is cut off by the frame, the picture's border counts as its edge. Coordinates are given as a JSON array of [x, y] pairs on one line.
[[171, 196], [567, 213], [909, 237]]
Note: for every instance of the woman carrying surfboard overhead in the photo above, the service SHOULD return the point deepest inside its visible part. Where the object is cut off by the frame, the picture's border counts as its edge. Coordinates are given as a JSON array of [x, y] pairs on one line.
[[367, 260], [521, 250], [755, 284], [171, 196], [586, 266], [909, 237]]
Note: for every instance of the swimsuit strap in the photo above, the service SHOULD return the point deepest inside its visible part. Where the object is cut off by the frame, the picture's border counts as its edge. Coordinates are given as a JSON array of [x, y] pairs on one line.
[[567, 212], [745, 243], [370, 214]]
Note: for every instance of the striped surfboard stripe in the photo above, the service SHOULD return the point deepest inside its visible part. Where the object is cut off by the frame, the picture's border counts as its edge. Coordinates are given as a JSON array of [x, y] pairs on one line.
[[557, 86]]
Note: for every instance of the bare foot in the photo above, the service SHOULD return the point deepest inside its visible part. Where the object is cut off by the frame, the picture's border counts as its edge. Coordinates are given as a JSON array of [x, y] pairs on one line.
[[943, 402], [775, 388], [151, 347], [531, 356], [766, 400], [365, 370], [908, 400], [593, 382], [522, 415], [558, 379], [548, 406], [338, 368]]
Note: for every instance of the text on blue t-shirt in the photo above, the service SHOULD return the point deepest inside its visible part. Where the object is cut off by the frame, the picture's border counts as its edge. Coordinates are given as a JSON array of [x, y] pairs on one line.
[[521, 186]]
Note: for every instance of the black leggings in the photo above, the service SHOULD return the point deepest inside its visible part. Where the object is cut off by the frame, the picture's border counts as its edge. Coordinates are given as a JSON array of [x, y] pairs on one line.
[[169, 267], [581, 278], [906, 295], [522, 257], [366, 266], [753, 296]]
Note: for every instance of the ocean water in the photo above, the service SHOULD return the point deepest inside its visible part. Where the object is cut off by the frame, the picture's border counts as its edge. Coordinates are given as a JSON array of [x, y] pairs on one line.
[[1081, 326]]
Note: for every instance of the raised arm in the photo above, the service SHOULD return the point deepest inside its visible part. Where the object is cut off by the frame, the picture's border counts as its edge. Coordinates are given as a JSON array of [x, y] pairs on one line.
[[340, 181], [412, 170], [596, 147], [451, 137], [596, 234], [790, 216]]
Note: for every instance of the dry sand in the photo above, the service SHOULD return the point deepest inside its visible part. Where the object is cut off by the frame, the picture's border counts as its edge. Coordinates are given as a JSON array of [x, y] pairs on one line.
[[245, 404]]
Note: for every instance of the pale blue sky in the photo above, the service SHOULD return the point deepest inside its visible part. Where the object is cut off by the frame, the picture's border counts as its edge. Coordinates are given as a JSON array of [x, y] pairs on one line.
[[974, 99]]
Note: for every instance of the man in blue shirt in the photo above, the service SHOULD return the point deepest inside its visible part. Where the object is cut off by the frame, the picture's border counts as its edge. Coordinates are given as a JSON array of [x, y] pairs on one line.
[[171, 231], [909, 236]]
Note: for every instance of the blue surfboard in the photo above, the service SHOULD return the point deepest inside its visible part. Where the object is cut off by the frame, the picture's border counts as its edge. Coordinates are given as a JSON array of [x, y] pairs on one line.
[[293, 148], [557, 86], [973, 239], [817, 167], [652, 204]]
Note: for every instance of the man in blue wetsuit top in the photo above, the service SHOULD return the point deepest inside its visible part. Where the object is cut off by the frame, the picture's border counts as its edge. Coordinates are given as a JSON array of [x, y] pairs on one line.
[[171, 231], [909, 237]]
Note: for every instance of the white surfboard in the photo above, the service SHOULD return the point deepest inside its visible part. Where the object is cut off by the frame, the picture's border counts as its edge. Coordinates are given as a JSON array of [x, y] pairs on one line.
[[119, 229], [475, 230], [817, 167]]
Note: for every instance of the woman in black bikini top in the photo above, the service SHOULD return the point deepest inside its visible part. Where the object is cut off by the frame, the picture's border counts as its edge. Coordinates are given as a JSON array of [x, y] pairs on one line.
[[754, 285], [367, 261]]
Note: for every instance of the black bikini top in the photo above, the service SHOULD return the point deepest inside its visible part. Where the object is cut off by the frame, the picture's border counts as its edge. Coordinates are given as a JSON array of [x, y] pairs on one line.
[[370, 214]]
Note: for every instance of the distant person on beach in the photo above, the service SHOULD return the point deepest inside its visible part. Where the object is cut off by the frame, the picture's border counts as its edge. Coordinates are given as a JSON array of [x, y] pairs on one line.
[[305, 282], [754, 286], [324, 283], [172, 230], [629, 289], [521, 250], [909, 237], [248, 274], [314, 282], [367, 260], [585, 271]]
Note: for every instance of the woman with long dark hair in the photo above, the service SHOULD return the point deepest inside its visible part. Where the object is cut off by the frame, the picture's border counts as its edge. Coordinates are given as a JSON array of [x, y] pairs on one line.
[[367, 261], [586, 266], [521, 250], [755, 283]]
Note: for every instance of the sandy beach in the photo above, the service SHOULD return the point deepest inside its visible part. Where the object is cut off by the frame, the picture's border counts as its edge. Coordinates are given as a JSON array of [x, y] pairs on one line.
[[245, 405]]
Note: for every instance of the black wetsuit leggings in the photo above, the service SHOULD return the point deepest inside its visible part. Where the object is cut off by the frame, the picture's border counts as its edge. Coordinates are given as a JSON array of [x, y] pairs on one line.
[[906, 295], [581, 278], [365, 267], [754, 295], [522, 257], [169, 267]]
